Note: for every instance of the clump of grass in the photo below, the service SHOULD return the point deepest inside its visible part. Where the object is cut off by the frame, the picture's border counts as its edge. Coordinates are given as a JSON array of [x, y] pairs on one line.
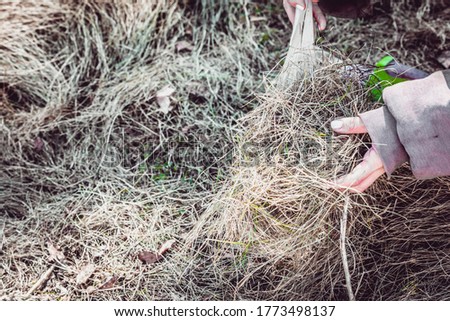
[[278, 209]]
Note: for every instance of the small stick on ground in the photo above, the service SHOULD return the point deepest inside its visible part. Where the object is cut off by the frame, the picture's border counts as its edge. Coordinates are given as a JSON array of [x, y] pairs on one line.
[[344, 252], [44, 277]]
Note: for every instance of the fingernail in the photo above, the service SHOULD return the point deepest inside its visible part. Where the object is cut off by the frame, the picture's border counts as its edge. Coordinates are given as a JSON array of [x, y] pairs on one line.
[[336, 124]]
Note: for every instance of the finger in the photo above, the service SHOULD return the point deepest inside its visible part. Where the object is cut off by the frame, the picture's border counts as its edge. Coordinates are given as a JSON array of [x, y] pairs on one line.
[[289, 10], [349, 125], [370, 164], [301, 3], [356, 176], [362, 186], [319, 16]]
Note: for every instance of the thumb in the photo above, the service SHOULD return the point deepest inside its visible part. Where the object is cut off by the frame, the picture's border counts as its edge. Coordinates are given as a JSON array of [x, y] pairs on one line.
[[349, 125]]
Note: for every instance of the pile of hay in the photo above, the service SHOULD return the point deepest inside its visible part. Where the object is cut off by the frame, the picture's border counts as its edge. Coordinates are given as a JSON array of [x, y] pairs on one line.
[[95, 170]]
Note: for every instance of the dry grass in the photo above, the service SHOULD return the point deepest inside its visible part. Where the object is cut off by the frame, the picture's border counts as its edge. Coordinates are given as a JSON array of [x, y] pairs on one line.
[[92, 166]]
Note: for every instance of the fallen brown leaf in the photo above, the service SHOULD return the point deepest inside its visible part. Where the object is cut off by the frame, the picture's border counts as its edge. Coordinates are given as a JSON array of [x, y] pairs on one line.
[[184, 45], [163, 99], [90, 289], [165, 92], [85, 273], [38, 144], [54, 253], [109, 284], [148, 257], [444, 59], [164, 104], [166, 246]]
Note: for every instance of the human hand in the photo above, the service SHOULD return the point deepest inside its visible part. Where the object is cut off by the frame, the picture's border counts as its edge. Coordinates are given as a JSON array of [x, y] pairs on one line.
[[289, 6], [366, 172]]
